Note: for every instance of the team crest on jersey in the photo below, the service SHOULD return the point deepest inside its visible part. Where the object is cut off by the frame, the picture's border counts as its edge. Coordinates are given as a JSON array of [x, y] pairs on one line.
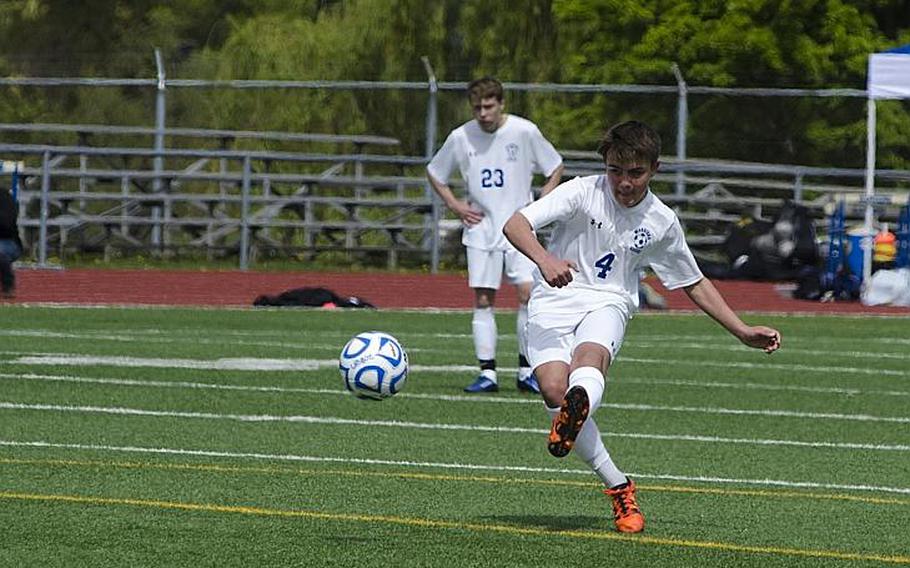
[[512, 152], [641, 237]]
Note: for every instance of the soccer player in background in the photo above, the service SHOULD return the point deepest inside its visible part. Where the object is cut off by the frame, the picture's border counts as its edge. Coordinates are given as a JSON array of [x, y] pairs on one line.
[[496, 154], [607, 228]]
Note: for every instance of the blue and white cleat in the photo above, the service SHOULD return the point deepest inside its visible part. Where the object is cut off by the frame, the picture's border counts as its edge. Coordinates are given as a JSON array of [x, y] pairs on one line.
[[528, 384], [482, 384]]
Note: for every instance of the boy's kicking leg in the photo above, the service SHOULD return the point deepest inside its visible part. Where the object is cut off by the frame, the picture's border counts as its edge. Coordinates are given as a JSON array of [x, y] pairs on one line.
[[572, 398]]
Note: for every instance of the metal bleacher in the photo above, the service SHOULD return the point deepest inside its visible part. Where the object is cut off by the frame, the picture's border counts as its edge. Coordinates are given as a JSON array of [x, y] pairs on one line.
[[223, 201], [91, 195]]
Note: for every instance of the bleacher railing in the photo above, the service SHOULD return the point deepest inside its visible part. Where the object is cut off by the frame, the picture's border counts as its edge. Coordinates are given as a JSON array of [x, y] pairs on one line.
[[240, 201]]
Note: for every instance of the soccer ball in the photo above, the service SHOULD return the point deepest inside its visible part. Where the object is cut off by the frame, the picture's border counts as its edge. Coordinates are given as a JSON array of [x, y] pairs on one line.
[[373, 365]]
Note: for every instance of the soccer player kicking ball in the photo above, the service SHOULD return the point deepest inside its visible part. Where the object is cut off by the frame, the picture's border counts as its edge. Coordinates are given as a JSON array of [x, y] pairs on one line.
[[608, 228]]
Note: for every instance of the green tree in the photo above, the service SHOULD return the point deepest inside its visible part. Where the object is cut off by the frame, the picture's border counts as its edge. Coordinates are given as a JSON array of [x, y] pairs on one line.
[[747, 43], [741, 43]]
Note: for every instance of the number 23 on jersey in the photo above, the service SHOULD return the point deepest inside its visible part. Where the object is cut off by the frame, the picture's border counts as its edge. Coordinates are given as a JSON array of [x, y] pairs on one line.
[[491, 178]]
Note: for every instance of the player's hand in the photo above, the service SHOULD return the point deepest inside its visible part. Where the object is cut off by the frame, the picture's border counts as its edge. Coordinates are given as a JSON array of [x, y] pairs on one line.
[[557, 272], [469, 216], [762, 337]]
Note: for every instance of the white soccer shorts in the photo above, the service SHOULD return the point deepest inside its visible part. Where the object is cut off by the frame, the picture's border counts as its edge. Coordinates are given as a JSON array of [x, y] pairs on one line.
[[485, 267], [554, 337]]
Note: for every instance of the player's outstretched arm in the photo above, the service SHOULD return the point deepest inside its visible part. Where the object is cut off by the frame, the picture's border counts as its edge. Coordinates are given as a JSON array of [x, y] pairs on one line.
[[467, 214], [555, 271], [706, 297]]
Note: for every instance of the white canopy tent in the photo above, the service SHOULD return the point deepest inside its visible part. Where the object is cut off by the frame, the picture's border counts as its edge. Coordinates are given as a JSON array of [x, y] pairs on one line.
[[889, 78]]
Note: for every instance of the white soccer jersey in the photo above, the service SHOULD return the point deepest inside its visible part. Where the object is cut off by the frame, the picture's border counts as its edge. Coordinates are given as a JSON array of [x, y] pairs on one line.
[[497, 169], [610, 244]]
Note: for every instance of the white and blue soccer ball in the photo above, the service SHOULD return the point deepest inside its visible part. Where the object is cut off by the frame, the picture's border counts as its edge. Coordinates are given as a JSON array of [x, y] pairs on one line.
[[373, 365]]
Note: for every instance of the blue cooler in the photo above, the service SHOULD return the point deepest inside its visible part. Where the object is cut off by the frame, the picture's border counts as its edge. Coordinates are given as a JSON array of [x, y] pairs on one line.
[[855, 250]]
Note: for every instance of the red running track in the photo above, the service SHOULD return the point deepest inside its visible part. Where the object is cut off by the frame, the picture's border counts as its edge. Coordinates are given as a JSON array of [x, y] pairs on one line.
[[385, 290]]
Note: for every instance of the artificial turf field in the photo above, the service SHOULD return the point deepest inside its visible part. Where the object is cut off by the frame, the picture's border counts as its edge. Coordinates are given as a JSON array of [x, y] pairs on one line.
[[193, 437]]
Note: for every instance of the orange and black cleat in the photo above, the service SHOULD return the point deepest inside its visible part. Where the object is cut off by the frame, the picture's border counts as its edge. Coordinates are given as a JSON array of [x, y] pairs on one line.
[[626, 515], [569, 421]]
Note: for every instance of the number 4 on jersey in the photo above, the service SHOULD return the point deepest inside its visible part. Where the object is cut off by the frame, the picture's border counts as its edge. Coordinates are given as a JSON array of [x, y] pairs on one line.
[[605, 264]]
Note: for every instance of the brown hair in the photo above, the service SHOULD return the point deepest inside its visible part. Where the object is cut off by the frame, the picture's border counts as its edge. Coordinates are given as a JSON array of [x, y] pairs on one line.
[[484, 88], [629, 142]]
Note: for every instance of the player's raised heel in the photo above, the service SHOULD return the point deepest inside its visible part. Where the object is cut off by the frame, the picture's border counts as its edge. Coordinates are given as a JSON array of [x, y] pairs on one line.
[[626, 515], [568, 423]]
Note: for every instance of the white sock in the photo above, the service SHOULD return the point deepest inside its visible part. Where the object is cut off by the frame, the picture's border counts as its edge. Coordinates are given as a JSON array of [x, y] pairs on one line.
[[590, 447], [522, 328], [490, 374], [484, 327], [592, 380]]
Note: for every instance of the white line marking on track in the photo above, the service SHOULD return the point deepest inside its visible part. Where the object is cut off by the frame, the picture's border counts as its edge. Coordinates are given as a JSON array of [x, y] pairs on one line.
[[755, 386], [421, 425], [302, 345], [262, 364], [776, 366], [610, 383], [720, 335], [223, 364], [474, 467], [713, 346], [279, 339], [457, 398], [762, 412]]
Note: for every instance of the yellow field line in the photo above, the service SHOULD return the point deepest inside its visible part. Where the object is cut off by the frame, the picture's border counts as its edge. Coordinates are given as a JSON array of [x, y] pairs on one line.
[[453, 525], [449, 477]]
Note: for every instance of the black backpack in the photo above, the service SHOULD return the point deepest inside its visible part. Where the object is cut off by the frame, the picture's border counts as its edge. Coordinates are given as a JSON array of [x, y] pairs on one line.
[[316, 297]]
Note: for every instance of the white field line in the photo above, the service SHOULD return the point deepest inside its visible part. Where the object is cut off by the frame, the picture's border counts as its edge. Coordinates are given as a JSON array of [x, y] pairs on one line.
[[468, 399], [123, 411], [768, 366], [698, 342], [756, 386], [302, 345], [488, 400], [262, 364], [441, 465], [223, 364], [226, 336], [713, 346], [275, 332], [664, 338], [610, 382], [229, 338], [706, 338]]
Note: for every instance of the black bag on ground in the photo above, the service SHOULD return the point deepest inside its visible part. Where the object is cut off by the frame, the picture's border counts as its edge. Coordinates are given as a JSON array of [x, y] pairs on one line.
[[808, 284], [314, 297]]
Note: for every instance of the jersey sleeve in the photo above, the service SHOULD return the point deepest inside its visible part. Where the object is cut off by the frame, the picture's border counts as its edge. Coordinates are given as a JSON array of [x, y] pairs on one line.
[[674, 263], [444, 162], [546, 158], [559, 204]]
